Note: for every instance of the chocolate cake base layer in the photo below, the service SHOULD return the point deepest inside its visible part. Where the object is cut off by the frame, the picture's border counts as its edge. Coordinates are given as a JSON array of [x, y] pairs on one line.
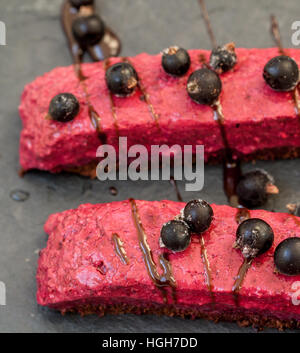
[[241, 316]]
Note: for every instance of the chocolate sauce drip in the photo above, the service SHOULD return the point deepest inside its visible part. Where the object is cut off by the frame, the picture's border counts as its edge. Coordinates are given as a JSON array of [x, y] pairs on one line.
[[119, 249], [276, 35], [160, 281], [93, 115], [174, 184], [277, 38], [146, 96], [231, 167], [240, 278], [68, 15], [208, 24], [109, 45], [96, 120], [207, 269], [106, 65]]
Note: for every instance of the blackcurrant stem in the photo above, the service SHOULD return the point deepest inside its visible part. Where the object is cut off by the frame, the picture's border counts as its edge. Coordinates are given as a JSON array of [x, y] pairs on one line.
[[272, 189], [207, 23], [86, 10], [291, 207], [276, 34]]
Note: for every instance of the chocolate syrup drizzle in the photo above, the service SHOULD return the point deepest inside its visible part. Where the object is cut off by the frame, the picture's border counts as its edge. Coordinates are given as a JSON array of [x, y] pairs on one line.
[[231, 166], [207, 269], [160, 281], [247, 262], [174, 184], [146, 96], [119, 249], [108, 46], [208, 24], [240, 278]]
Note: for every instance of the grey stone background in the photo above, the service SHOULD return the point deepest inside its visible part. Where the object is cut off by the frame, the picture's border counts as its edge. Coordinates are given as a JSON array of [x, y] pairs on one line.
[[35, 44]]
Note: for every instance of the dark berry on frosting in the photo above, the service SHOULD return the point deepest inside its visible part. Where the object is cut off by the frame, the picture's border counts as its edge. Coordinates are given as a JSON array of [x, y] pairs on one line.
[[223, 58], [175, 235], [88, 30], [204, 86], [176, 61], [78, 3], [287, 257], [121, 79], [254, 187], [198, 214], [254, 237], [281, 73], [63, 107]]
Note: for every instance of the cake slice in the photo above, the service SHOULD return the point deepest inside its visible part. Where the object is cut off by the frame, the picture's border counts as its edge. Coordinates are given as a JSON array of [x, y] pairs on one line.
[[107, 258], [259, 122]]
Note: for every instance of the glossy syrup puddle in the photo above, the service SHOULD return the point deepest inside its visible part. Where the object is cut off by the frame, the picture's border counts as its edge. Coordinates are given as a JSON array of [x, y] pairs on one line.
[[160, 281]]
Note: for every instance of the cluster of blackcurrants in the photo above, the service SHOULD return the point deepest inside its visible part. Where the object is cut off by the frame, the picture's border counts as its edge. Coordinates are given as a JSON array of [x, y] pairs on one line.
[[122, 79], [254, 236]]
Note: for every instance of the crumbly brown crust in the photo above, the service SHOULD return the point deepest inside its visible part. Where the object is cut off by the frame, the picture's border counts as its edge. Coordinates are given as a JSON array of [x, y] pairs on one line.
[[241, 317]]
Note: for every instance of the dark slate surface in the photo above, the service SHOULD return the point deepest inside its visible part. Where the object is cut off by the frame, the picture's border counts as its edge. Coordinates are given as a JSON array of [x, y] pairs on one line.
[[35, 44]]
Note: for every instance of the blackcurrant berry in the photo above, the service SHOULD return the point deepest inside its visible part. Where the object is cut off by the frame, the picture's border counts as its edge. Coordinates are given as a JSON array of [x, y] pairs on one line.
[[88, 30], [175, 235], [281, 73], [176, 61], [78, 3], [254, 237], [223, 58], [198, 214], [204, 86], [254, 187], [63, 107], [121, 79], [287, 257]]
